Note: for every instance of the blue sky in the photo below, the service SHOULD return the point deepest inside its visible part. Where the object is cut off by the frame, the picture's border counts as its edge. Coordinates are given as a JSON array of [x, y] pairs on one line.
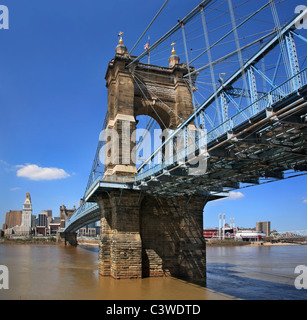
[[53, 102]]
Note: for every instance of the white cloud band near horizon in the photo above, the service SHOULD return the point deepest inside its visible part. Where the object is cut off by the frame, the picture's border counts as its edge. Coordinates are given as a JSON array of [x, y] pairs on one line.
[[36, 173], [234, 195]]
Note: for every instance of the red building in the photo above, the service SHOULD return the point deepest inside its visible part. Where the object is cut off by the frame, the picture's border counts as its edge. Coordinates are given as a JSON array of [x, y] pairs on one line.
[[209, 233], [41, 230]]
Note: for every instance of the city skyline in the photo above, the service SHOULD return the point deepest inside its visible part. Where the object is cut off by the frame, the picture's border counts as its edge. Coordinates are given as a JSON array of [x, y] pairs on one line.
[[54, 102]]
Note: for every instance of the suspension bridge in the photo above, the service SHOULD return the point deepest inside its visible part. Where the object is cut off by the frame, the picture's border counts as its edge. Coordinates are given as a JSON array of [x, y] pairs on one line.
[[223, 108]]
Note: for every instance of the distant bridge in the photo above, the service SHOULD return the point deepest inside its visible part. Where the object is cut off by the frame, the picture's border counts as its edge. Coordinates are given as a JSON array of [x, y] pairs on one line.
[[297, 234]]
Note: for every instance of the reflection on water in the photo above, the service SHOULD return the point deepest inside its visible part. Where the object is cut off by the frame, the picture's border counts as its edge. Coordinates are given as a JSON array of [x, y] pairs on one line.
[[56, 272]]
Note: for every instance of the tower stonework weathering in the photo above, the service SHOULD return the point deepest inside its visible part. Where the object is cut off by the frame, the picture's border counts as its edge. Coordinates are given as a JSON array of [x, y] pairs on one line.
[[144, 235]]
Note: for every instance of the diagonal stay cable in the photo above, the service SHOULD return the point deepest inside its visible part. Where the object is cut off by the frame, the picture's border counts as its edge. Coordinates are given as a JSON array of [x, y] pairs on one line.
[[152, 21]]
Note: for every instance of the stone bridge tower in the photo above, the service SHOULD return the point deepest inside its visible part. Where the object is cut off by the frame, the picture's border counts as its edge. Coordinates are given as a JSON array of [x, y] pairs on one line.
[[143, 235], [159, 92]]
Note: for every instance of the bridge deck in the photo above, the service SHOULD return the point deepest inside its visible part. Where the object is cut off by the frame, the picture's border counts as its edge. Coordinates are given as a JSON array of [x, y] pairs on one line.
[[265, 146]]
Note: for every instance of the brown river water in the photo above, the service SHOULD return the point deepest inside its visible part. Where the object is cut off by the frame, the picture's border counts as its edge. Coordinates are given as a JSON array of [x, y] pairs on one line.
[[58, 273]]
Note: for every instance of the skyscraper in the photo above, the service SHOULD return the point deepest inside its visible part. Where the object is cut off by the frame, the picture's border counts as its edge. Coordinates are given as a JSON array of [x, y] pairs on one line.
[[27, 212], [25, 228], [264, 226], [43, 219], [12, 219]]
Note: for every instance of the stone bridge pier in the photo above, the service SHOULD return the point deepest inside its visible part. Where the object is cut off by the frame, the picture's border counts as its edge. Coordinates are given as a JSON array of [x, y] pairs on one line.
[[68, 238], [146, 236]]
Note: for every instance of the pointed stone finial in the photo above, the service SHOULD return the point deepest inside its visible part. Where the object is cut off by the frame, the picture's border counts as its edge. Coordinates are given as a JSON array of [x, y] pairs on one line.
[[173, 50], [120, 48], [173, 59], [120, 41]]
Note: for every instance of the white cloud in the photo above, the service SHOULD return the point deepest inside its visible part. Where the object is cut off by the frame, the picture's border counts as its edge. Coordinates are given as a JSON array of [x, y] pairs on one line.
[[305, 201], [15, 188], [7, 167], [234, 195], [34, 172]]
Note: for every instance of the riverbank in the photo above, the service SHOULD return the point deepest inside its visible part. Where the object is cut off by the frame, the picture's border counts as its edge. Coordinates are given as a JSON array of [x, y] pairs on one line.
[[270, 244], [48, 241], [235, 243], [95, 242], [226, 243]]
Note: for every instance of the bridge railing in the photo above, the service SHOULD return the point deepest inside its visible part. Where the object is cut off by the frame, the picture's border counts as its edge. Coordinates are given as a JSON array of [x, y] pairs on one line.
[[81, 211], [273, 96]]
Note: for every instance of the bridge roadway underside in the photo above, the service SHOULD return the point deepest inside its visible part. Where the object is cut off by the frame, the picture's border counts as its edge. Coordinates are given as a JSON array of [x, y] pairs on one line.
[[261, 149], [258, 150]]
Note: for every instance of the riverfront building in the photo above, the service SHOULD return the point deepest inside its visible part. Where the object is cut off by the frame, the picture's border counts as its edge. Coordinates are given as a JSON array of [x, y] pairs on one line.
[[19, 222], [26, 222], [264, 227], [23, 223], [12, 219]]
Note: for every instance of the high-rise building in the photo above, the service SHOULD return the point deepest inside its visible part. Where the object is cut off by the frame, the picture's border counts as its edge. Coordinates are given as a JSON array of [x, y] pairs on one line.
[[33, 223], [264, 226], [12, 219], [42, 223], [49, 216], [43, 219], [27, 212], [25, 228]]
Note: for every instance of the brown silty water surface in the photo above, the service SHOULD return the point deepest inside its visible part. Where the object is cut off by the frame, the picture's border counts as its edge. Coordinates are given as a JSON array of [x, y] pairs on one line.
[[57, 272]]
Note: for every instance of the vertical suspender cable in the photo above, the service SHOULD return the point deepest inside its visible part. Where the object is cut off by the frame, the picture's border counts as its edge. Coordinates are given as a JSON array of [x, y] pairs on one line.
[[203, 19], [188, 65], [229, 32], [237, 44], [280, 39]]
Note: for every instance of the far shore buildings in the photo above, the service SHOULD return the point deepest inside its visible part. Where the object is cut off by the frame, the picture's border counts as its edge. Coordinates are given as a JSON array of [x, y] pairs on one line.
[[20, 224], [12, 219], [24, 223]]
